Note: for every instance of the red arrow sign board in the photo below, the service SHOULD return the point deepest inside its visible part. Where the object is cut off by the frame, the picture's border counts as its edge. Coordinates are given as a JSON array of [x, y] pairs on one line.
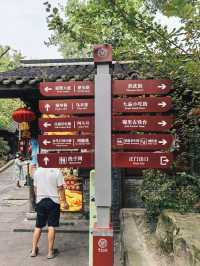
[[67, 124], [142, 160], [63, 160], [66, 142], [78, 106], [139, 87], [142, 141], [148, 104], [70, 88], [142, 123]]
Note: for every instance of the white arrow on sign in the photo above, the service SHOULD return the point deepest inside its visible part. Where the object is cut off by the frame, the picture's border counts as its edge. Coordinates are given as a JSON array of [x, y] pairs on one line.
[[46, 89], [162, 123], [47, 106], [46, 160], [162, 104], [162, 86], [45, 142], [163, 141], [46, 124], [164, 160]]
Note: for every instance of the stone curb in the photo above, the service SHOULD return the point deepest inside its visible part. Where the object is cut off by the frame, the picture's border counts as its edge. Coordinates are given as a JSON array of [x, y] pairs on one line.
[[8, 164], [23, 230]]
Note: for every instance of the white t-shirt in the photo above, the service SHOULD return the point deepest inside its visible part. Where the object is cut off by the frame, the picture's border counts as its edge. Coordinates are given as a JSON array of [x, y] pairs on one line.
[[47, 181]]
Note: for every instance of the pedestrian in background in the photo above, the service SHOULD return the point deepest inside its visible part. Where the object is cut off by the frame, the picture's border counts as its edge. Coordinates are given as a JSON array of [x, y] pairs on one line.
[[49, 189], [19, 177]]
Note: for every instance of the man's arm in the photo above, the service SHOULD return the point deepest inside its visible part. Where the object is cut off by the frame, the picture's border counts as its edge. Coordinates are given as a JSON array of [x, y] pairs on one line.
[[61, 193]]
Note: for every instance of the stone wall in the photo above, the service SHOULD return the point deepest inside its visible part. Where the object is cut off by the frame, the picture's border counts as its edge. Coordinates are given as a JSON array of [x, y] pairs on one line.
[[180, 235]]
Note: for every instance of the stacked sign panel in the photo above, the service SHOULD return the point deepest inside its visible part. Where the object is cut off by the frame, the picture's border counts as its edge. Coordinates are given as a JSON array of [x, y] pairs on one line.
[[139, 112], [71, 115], [67, 127]]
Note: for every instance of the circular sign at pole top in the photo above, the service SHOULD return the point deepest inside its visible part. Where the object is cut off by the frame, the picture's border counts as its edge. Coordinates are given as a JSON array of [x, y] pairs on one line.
[[103, 53], [103, 243]]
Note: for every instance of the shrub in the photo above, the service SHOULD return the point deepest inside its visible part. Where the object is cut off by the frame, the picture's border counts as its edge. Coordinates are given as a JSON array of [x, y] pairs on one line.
[[4, 149], [180, 192]]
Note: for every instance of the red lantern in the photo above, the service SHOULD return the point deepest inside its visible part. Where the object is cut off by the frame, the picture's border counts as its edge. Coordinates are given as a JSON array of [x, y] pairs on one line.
[[23, 115]]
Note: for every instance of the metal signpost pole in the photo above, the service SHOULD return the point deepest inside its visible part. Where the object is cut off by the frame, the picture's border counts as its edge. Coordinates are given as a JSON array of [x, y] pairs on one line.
[[93, 216], [102, 233], [103, 144]]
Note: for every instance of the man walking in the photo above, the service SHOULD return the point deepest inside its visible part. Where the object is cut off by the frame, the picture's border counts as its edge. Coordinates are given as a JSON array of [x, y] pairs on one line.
[[48, 186]]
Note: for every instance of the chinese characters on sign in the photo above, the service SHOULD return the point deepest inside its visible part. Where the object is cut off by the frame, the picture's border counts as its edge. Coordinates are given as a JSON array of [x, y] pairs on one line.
[[66, 160], [66, 142], [69, 88], [140, 87], [142, 123], [83, 106], [136, 123], [142, 141], [142, 160], [70, 124], [67, 124], [148, 104]]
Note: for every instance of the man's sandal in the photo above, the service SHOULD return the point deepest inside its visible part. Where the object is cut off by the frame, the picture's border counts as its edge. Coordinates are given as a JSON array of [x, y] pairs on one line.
[[54, 253], [34, 253]]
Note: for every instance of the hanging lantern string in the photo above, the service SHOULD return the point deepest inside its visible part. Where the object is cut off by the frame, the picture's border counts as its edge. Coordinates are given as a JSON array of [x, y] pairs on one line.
[[23, 115]]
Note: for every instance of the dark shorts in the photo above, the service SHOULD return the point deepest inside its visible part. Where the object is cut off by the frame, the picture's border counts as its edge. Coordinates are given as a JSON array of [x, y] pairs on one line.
[[48, 212]]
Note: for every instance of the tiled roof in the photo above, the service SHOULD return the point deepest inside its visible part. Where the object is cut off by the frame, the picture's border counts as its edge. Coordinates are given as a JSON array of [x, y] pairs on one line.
[[31, 73], [26, 78]]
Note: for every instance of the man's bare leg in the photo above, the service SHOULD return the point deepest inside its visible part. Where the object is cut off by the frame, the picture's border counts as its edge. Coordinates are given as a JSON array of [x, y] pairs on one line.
[[36, 238], [51, 239]]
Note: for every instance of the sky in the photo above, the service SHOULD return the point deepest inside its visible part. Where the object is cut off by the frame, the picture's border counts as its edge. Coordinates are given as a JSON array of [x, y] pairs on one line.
[[24, 27]]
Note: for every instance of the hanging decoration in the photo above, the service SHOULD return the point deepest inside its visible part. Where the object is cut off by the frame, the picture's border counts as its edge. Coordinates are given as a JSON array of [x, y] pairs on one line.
[[23, 115]]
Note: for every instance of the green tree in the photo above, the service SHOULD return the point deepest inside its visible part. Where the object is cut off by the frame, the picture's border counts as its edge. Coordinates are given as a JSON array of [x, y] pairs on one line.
[[7, 107], [9, 59], [157, 52], [131, 27]]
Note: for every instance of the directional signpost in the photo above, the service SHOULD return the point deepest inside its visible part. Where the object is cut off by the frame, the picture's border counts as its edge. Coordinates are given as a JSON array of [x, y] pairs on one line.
[[69, 88], [67, 124], [142, 123], [103, 232], [77, 106], [147, 104], [140, 87], [66, 142], [115, 104], [63, 160], [142, 141], [142, 160]]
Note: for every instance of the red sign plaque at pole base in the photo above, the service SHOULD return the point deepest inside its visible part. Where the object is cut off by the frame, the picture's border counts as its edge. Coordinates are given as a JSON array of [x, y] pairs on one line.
[[63, 160], [103, 247], [142, 160]]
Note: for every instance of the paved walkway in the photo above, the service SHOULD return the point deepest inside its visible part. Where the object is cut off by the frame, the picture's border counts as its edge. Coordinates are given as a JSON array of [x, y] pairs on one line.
[[16, 235], [15, 246]]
